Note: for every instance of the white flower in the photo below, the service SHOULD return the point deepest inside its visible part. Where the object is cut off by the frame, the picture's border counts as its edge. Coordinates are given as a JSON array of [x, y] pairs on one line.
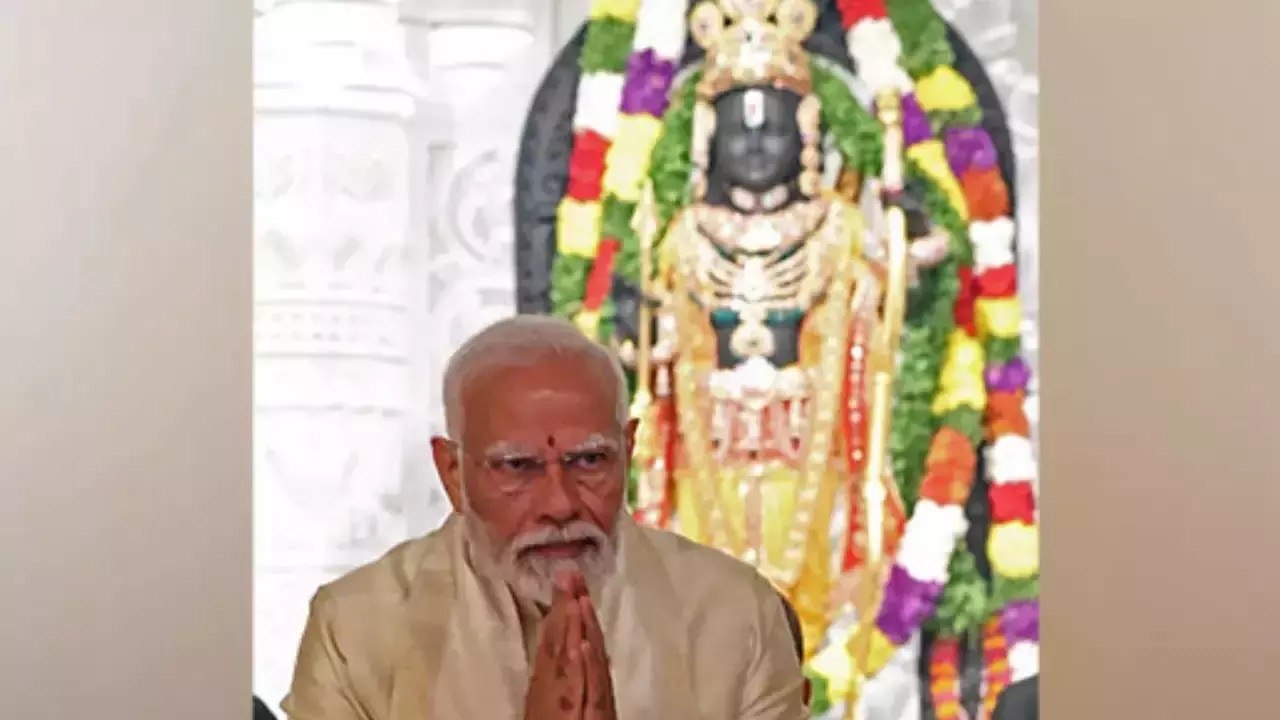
[[1011, 459], [881, 75], [922, 559], [947, 519], [872, 39], [660, 25], [599, 98], [992, 243], [929, 540], [1024, 660], [876, 51]]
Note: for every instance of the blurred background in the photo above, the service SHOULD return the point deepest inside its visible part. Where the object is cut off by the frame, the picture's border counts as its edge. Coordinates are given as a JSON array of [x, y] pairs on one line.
[[385, 140]]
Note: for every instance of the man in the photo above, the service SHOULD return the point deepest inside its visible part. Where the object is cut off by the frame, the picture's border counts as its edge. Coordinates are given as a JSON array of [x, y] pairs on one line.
[[797, 637], [540, 598]]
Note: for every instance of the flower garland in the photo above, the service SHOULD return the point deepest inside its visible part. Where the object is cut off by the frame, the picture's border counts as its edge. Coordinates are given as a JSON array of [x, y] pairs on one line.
[[988, 374], [961, 335], [934, 576], [658, 42], [611, 27], [995, 664]]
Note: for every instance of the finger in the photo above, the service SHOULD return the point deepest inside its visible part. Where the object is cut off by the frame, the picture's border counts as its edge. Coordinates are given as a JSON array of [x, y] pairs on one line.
[[599, 685], [554, 638], [575, 632], [591, 624], [566, 582], [575, 687], [576, 584]]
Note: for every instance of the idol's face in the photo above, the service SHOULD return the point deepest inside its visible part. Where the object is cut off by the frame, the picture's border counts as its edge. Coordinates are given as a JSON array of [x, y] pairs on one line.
[[541, 469], [757, 142]]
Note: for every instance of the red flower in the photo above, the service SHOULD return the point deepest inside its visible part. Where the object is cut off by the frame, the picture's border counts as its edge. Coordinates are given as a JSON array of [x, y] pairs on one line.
[[986, 194], [963, 309], [999, 282], [601, 277], [853, 12], [586, 165], [1012, 502]]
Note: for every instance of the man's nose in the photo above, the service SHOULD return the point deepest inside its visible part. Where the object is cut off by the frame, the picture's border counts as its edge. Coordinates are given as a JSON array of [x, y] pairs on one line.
[[559, 494]]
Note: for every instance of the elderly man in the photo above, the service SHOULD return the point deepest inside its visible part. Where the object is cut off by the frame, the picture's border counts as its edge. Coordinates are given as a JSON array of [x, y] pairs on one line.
[[540, 598]]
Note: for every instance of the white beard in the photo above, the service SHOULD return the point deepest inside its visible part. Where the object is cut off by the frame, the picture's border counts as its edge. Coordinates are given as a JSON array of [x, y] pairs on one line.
[[531, 576]]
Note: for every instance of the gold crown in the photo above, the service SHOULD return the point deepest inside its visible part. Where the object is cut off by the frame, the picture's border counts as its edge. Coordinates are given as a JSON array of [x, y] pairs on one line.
[[752, 43]]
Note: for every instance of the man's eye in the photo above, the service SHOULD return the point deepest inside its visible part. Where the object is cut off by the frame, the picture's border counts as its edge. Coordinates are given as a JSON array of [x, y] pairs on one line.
[[517, 465], [590, 460]]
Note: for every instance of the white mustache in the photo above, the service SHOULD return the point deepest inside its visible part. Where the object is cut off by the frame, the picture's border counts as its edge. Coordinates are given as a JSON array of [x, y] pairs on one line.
[[573, 532]]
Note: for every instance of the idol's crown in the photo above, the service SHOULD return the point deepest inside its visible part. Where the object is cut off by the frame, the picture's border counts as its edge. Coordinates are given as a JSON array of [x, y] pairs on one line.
[[753, 43]]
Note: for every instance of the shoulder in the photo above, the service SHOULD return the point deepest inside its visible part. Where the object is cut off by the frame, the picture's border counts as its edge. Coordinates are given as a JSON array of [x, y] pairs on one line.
[[381, 588], [713, 583]]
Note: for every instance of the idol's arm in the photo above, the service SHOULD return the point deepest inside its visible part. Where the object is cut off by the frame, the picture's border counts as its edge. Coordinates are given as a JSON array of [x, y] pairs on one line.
[[655, 408], [322, 688], [774, 685]]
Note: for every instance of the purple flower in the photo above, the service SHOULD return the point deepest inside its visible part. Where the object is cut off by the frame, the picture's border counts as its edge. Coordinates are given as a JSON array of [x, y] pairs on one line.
[[915, 124], [1010, 377], [907, 603], [970, 149], [1020, 620], [648, 84]]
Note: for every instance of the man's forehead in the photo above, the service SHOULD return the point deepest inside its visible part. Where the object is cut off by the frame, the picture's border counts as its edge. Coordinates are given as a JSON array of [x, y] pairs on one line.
[[561, 442]]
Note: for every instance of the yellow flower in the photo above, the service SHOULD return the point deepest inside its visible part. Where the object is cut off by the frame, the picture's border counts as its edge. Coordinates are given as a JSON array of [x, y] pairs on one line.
[[588, 321], [624, 177], [578, 227], [998, 317], [944, 89], [627, 161], [624, 10], [835, 663], [961, 394], [960, 382], [964, 352], [1015, 550], [931, 156]]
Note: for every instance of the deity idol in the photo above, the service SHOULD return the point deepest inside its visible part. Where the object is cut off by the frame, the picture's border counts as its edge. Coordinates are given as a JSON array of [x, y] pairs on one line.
[[797, 284], [757, 420]]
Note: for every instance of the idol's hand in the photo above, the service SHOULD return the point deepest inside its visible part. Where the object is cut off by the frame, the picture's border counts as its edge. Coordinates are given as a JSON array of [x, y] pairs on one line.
[[557, 683]]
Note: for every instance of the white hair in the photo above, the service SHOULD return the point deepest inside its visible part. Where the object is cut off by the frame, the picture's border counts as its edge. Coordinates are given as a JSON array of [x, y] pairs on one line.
[[518, 342]]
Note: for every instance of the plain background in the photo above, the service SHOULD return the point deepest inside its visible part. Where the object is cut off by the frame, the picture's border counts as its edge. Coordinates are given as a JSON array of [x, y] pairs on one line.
[[125, 359]]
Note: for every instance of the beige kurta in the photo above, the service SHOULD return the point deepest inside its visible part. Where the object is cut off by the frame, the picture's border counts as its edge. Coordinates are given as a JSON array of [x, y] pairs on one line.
[[428, 633]]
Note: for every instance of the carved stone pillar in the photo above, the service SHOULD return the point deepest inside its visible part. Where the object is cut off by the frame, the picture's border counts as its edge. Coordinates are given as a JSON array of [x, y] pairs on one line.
[[333, 95], [481, 62]]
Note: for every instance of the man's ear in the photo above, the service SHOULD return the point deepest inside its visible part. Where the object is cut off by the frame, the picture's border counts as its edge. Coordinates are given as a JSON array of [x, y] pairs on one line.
[[629, 434], [445, 453]]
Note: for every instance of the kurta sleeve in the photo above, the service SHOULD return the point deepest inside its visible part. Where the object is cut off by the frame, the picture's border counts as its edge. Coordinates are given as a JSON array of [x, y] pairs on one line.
[[774, 687], [322, 687]]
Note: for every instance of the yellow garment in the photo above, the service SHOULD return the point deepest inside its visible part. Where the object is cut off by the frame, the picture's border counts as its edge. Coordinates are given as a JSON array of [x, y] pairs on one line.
[[811, 589], [429, 633]]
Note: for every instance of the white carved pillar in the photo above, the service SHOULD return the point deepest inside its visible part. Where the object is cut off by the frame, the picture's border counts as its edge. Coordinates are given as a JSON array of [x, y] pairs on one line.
[[481, 61], [333, 96]]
